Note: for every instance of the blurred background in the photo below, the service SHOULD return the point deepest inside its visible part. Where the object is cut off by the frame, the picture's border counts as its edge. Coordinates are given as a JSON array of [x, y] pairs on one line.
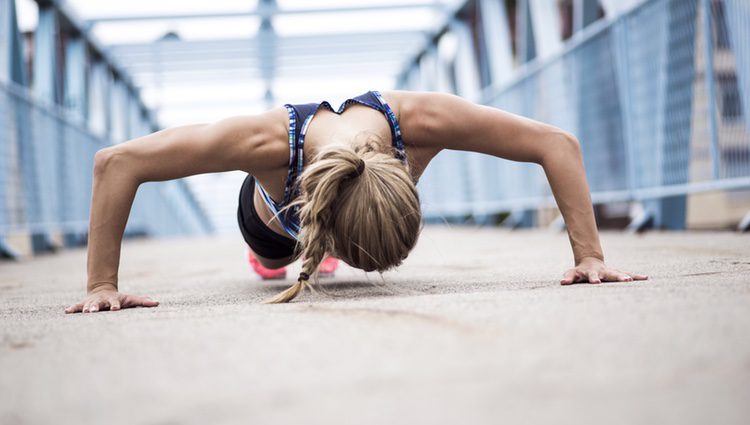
[[657, 91]]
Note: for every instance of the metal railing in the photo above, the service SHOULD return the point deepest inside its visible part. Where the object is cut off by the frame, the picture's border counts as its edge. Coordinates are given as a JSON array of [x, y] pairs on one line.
[[659, 98], [46, 163]]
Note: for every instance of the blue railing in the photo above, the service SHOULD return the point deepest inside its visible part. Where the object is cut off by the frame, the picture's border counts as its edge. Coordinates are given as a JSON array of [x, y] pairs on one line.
[[658, 96], [46, 163]]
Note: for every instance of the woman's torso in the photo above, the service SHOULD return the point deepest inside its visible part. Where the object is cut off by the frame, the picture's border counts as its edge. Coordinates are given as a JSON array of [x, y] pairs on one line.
[[326, 128]]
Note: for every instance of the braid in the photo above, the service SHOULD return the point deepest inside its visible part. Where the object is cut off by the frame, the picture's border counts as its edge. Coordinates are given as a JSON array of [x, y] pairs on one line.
[[319, 187]]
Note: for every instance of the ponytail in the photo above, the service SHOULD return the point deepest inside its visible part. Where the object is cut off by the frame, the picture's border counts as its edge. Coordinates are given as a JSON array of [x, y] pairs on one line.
[[345, 195]]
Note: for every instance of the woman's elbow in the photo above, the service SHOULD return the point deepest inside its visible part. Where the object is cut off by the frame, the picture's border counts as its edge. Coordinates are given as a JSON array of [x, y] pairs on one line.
[[571, 143], [108, 161], [562, 144]]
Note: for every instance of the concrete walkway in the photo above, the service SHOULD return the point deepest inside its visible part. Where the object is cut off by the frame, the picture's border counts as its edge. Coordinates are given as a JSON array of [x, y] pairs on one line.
[[473, 329]]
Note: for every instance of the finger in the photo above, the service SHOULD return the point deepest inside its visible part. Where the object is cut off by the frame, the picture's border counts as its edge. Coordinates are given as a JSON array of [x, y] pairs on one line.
[[594, 277], [616, 276], [619, 277], [75, 308], [148, 302], [114, 304], [136, 301], [568, 277], [636, 276]]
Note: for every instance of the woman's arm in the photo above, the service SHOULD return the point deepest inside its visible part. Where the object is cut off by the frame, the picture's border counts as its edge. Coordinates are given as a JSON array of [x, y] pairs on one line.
[[248, 143], [450, 122]]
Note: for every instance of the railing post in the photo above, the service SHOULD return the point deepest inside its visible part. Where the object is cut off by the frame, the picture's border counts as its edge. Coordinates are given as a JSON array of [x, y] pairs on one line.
[[267, 51], [44, 209], [524, 32], [545, 20], [737, 18], [74, 101], [98, 95], [708, 51], [619, 34], [584, 13], [497, 39], [11, 70], [676, 110]]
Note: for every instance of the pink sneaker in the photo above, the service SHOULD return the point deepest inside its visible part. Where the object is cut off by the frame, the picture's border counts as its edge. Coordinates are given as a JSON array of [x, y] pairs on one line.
[[328, 267], [264, 272]]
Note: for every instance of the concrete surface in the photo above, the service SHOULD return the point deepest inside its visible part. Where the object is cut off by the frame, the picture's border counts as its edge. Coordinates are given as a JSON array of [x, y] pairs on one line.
[[473, 329]]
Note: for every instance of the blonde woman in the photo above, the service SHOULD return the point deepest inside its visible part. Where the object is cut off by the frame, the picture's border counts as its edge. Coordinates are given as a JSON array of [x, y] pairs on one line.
[[339, 182]]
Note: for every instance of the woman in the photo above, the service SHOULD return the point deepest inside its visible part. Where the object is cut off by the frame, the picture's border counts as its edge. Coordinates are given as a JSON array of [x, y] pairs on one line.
[[342, 183]]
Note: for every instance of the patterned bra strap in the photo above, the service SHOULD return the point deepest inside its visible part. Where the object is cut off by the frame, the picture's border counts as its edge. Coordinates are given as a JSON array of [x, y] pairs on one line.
[[291, 228], [296, 152], [398, 142], [293, 152]]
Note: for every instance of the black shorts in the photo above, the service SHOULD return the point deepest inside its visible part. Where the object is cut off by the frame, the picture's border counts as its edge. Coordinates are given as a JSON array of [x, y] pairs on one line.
[[261, 239]]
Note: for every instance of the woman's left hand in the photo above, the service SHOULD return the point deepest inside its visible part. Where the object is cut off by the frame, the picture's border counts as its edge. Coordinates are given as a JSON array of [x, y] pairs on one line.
[[593, 270]]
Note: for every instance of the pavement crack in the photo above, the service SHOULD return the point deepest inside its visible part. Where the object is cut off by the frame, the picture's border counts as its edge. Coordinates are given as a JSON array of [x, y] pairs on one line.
[[412, 316], [714, 272]]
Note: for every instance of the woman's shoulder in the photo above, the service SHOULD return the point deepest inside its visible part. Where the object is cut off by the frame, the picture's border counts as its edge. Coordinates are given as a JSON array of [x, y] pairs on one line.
[[423, 116], [408, 107], [266, 135], [420, 119]]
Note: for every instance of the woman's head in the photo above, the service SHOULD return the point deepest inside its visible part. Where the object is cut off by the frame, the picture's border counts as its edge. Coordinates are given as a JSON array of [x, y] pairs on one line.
[[358, 204]]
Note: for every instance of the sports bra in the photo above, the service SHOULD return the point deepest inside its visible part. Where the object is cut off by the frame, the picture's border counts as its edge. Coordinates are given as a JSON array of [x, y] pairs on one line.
[[299, 120]]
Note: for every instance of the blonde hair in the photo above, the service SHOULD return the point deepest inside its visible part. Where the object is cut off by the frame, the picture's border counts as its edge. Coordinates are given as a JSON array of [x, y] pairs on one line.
[[358, 204]]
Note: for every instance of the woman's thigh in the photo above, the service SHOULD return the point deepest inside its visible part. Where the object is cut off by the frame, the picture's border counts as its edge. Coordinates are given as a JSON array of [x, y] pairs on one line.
[[271, 249], [273, 263]]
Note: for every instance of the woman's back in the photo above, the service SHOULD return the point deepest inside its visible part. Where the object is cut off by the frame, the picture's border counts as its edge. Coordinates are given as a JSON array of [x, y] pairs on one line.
[[365, 119]]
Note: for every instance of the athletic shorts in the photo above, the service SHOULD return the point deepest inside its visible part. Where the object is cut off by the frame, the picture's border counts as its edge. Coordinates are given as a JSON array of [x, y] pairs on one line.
[[261, 239]]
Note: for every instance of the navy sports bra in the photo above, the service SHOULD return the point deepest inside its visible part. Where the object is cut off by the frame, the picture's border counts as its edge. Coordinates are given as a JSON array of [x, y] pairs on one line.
[[299, 120]]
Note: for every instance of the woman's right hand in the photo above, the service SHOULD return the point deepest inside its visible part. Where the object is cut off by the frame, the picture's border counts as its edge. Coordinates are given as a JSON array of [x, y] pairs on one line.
[[108, 298]]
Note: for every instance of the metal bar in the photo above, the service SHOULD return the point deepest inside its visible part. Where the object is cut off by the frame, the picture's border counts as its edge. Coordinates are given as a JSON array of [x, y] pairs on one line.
[[528, 69], [737, 17], [51, 111], [491, 207], [708, 51], [449, 12], [584, 13], [46, 61], [266, 12], [98, 100], [285, 42], [74, 97], [545, 20], [254, 73], [622, 58], [11, 47], [73, 25], [394, 49], [497, 39], [374, 58], [525, 32]]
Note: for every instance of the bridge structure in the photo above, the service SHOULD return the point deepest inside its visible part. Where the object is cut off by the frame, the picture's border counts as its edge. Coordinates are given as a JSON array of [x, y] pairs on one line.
[[656, 90]]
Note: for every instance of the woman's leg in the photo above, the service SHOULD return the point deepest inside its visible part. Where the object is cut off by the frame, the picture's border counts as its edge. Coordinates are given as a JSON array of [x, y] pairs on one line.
[[268, 268], [272, 251], [328, 266]]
